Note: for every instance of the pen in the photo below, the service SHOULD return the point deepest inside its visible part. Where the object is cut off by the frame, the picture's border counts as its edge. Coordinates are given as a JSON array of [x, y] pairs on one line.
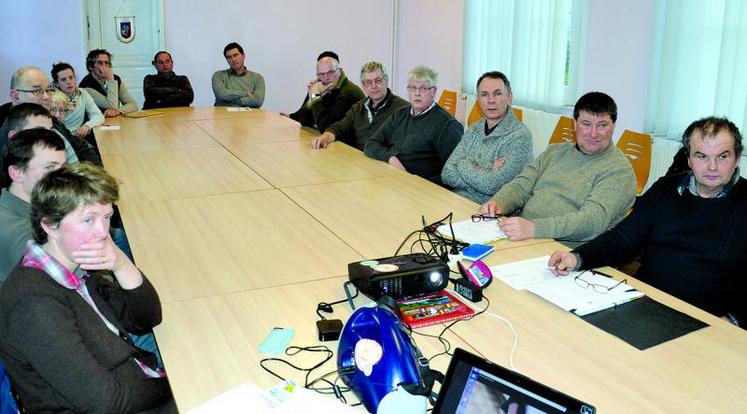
[[597, 272]]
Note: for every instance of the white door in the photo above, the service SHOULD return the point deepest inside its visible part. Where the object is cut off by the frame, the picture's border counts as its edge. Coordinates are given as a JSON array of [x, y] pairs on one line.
[[131, 60]]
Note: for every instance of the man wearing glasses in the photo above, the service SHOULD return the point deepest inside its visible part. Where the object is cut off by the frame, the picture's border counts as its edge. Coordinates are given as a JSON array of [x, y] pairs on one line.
[[107, 89], [690, 227], [237, 85], [573, 191], [418, 139], [366, 115], [329, 96], [30, 85]]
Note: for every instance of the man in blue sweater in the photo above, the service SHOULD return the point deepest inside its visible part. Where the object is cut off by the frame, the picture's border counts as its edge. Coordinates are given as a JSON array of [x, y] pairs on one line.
[[691, 227]]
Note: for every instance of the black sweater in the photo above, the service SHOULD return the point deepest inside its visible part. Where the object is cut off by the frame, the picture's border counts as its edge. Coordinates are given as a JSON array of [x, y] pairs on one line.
[[62, 358], [422, 143], [693, 248]]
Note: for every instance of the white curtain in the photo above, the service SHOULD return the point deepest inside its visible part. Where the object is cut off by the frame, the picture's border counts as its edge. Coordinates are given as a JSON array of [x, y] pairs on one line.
[[699, 64], [525, 39]]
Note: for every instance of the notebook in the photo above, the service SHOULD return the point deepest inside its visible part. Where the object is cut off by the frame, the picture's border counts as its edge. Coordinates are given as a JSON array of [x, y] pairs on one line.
[[582, 293], [474, 384], [469, 232], [476, 251], [425, 310]]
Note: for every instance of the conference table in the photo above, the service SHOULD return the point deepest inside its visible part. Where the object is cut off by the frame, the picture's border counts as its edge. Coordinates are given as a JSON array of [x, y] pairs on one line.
[[242, 227]]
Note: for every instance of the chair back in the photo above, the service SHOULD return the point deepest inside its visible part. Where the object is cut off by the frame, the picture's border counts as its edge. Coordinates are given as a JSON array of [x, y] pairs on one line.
[[637, 148], [448, 101], [518, 114], [564, 131], [476, 113]]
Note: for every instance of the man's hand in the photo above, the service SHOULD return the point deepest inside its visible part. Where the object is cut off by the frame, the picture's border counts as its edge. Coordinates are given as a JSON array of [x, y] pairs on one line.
[[322, 141], [315, 88], [498, 164], [491, 208], [394, 162], [327, 88], [111, 113], [561, 263], [517, 228], [82, 131], [104, 72]]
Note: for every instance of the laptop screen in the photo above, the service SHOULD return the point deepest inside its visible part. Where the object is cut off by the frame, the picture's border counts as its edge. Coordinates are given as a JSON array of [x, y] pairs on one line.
[[475, 385]]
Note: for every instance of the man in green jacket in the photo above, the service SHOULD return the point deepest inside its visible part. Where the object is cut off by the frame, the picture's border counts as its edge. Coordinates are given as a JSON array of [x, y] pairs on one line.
[[329, 96], [367, 115]]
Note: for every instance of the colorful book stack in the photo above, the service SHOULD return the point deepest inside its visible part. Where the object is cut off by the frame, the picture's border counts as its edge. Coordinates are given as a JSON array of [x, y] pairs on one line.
[[441, 307]]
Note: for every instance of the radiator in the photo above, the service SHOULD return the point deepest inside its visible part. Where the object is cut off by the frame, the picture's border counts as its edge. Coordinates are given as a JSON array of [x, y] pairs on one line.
[[540, 124]]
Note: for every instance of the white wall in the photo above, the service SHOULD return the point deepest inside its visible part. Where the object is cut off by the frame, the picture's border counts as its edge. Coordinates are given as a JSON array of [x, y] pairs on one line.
[[283, 37], [430, 32], [39, 33]]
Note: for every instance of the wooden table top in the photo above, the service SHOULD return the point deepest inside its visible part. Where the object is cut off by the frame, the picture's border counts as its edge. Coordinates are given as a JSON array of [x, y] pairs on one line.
[[241, 227]]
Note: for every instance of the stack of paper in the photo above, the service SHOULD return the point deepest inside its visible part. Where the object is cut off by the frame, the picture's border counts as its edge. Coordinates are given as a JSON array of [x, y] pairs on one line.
[[565, 291], [469, 232]]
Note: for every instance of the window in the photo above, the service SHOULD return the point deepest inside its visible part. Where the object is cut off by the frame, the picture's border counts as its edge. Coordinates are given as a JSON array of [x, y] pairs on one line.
[[536, 43], [698, 66]]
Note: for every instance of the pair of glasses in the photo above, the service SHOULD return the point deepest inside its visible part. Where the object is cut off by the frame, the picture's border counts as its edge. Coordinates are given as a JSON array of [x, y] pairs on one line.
[[326, 74], [597, 287], [420, 89], [104, 62], [38, 92], [476, 218], [369, 82]]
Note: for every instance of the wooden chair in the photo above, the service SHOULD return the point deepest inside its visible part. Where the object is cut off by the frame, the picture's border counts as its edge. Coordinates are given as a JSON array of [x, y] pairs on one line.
[[519, 114], [637, 148], [448, 101], [564, 131], [476, 113]]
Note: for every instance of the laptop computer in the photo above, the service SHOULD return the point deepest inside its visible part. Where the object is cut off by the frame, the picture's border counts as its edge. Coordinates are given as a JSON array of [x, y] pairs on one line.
[[475, 385]]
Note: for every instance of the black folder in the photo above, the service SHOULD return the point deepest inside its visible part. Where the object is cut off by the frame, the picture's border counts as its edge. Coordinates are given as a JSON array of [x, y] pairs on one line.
[[644, 322]]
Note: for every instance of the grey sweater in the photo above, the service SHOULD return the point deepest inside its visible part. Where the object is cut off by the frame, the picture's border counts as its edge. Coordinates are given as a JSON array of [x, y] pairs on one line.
[[468, 169], [569, 195]]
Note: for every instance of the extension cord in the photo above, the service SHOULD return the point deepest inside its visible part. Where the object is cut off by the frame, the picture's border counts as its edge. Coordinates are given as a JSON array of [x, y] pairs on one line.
[[453, 260]]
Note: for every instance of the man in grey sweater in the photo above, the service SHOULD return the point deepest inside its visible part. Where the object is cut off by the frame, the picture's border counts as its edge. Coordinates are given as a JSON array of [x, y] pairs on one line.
[[493, 150], [237, 85], [573, 191]]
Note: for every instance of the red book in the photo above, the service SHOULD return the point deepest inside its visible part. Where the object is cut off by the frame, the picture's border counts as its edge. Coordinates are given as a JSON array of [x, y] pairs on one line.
[[441, 307]]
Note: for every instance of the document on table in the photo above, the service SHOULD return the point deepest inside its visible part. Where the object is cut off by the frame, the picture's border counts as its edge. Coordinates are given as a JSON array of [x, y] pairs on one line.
[[520, 275], [284, 398], [470, 232], [237, 109], [565, 292], [108, 128]]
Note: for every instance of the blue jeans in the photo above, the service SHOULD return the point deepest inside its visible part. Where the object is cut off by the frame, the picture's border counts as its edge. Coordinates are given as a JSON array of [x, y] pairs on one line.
[[7, 402], [147, 342], [119, 237]]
